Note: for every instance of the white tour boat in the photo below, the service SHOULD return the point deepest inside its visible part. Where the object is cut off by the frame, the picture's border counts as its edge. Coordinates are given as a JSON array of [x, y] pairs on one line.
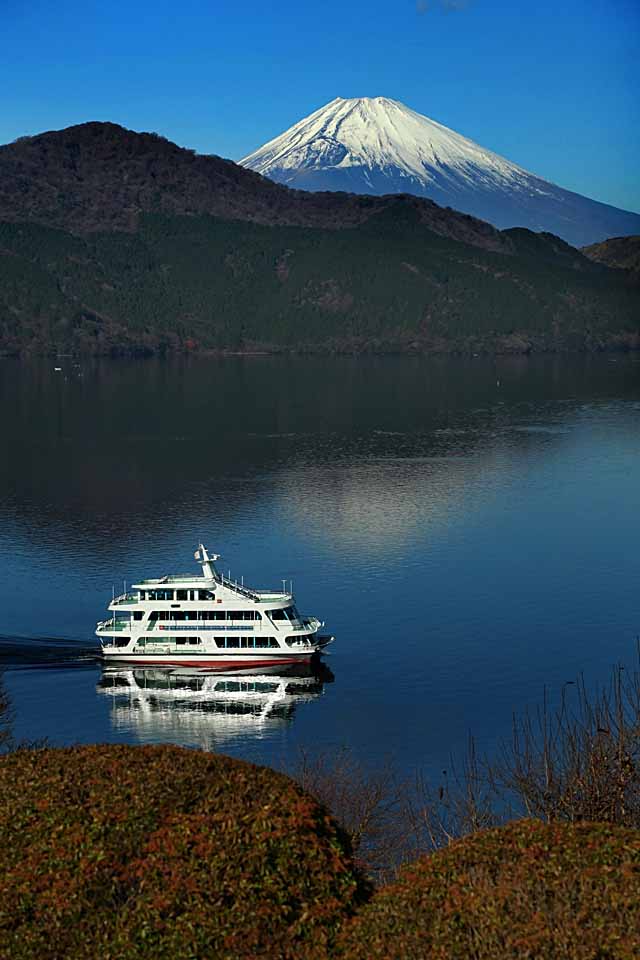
[[208, 621]]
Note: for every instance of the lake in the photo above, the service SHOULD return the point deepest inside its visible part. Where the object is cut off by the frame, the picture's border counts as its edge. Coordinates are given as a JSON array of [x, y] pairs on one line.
[[469, 530]]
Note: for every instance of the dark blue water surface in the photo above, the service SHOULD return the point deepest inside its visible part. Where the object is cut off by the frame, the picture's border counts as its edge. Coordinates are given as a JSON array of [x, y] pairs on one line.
[[469, 530]]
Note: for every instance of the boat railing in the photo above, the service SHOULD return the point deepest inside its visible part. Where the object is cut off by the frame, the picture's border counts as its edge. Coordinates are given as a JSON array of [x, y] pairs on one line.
[[126, 598], [113, 624], [238, 587], [306, 623]]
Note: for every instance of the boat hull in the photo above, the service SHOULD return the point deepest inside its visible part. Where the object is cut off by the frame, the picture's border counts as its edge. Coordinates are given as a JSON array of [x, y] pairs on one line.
[[208, 661]]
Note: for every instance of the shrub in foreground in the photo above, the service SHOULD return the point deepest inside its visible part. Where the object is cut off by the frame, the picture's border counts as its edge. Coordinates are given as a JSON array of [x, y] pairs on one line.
[[526, 890], [133, 852]]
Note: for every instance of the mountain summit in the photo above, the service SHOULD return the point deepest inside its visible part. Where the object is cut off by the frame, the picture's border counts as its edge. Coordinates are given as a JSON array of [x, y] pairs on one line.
[[375, 145]]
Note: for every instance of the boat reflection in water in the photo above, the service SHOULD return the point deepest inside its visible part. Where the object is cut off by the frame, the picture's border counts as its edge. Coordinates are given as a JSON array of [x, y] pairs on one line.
[[205, 708]]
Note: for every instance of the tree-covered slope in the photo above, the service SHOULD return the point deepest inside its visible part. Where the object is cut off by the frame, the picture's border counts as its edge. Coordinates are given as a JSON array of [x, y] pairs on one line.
[[387, 284], [98, 177], [620, 252]]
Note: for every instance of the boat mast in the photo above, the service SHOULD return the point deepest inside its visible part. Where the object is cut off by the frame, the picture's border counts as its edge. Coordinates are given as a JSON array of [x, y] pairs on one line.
[[208, 569]]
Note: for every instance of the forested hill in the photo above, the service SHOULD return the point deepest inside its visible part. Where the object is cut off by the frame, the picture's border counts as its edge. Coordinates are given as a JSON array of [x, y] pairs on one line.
[[101, 177], [620, 252], [117, 242]]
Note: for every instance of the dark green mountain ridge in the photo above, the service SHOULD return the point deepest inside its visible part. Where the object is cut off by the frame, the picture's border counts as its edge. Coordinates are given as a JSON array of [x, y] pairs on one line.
[[117, 242]]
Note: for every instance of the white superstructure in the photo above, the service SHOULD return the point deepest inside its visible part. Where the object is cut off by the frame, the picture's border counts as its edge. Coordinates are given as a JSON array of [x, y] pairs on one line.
[[207, 621]]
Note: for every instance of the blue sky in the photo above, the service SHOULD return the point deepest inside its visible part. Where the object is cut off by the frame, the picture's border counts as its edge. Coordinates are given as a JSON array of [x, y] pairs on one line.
[[553, 86]]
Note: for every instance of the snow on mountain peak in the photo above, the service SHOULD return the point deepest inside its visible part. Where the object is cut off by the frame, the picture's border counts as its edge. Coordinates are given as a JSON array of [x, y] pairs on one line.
[[375, 133]]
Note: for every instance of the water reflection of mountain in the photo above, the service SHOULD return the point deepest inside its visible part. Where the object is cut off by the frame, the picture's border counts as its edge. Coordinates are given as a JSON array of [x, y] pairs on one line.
[[206, 708]]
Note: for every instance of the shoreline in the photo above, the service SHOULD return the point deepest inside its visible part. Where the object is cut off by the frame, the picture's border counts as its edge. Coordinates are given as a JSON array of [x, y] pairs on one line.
[[516, 344]]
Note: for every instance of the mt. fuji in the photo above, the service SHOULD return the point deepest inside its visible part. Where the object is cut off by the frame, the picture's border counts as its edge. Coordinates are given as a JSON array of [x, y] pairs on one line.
[[374, 145]]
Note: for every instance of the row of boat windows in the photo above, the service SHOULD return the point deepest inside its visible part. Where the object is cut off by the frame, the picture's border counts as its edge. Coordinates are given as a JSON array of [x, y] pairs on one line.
[[287, 613], [224, 643], [201, 615], [206, 615], [176, 594], [175, 615]]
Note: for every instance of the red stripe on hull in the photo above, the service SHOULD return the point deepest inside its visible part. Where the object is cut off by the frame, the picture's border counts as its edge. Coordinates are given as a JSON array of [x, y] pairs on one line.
[[223, 664]]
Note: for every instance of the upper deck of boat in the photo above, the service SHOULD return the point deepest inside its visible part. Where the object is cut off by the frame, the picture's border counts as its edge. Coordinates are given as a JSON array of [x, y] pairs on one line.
[[210, 577], [182, 578], [187, 581]]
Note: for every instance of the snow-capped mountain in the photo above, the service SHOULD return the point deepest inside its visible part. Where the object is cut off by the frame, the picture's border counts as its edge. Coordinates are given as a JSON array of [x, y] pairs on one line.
[[379, 146]]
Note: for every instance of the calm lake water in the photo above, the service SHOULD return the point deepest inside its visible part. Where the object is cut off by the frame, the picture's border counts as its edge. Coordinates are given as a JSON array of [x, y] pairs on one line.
[[468, 529]]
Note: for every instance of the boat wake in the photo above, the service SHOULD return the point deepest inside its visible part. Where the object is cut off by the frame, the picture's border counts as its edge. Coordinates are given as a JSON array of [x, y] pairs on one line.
[[37, 652]]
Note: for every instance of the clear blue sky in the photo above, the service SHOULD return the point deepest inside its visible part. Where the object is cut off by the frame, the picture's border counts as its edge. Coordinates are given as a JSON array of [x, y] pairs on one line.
[[553, 86]]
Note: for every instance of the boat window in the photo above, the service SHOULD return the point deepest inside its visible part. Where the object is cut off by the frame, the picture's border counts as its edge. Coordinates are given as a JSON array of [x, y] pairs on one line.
[[298, 637], [206, 595], [160, 594], [229, 615], [246, 642], [137, 615], [181, 594], [121, 641], [193, 641], [142, 595], [287, 613]]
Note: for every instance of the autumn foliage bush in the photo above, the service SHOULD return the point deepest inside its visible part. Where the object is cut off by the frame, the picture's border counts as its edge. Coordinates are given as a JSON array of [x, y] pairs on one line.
[[134, 852], [526, 890], [126, 853]]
